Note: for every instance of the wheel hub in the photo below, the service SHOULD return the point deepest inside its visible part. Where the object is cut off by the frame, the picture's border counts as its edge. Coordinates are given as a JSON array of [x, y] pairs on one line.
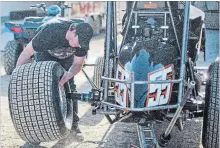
[[66, 110]]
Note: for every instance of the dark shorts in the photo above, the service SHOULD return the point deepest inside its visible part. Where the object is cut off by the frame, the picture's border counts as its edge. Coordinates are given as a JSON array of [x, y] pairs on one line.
[[65, 63]]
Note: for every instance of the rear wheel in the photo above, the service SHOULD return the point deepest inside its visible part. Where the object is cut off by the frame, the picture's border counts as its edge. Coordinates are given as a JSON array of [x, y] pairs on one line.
[[39, 109], [98, 70], [12, 51], [210, 135]]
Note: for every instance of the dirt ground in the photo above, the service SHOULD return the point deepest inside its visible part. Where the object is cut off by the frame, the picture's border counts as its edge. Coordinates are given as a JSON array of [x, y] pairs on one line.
[[96, 130]]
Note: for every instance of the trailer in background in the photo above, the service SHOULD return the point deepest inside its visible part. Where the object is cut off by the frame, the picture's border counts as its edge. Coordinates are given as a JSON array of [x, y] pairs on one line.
[[92, 12]]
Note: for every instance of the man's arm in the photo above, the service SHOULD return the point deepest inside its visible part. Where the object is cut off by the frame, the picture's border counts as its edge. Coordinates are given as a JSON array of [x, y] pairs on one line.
[[25, 54], [74, 70]]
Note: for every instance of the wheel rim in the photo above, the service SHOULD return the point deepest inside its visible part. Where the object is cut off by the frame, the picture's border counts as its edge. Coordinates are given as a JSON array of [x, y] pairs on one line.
[[66, 108]]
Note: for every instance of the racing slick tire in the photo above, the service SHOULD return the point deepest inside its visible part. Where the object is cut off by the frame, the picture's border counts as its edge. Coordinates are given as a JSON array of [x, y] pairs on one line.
[[39, 108], [12, 51], [210, 135], [98, 70]]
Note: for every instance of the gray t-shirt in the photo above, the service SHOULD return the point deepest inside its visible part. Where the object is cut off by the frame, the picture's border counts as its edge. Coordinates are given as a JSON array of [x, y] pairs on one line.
[[51, 37]]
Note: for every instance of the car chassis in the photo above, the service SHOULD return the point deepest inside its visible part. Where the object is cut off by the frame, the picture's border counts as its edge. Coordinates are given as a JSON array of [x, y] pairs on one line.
[[101, 97]]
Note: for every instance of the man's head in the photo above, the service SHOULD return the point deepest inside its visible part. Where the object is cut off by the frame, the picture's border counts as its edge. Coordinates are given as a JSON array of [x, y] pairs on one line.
[[79, 35]]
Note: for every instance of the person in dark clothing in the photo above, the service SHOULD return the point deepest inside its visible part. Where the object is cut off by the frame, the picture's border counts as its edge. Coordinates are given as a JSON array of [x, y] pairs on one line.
[[61, 40]]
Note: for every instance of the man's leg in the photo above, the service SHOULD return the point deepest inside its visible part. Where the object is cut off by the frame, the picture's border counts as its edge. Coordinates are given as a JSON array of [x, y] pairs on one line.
[[67, 63], [75, 134]]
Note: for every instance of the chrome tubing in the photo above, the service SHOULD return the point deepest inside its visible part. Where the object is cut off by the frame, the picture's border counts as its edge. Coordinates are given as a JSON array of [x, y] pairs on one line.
[[141, 109], [142, 82], [179, 109], [184, 51]]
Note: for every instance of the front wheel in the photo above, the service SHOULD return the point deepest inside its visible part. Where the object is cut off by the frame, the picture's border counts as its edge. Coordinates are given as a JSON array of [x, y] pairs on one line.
[[39, 109], [210, 135]]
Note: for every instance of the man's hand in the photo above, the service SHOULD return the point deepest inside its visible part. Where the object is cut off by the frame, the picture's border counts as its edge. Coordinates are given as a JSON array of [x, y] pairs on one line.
[[66, 77], [74, 70]]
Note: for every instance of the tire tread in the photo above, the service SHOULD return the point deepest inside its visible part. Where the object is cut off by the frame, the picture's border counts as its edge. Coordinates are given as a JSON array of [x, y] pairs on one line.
[[211, 116], [32, 109]]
